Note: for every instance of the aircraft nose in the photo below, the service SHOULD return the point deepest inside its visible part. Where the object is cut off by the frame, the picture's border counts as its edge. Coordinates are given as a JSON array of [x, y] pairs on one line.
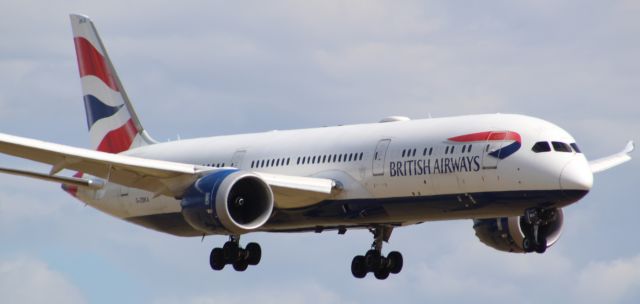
[[576, 175]]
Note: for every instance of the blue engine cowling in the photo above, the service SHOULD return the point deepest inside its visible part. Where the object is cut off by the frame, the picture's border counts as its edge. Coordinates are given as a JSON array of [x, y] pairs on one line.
[[506, 233], [227, 202]]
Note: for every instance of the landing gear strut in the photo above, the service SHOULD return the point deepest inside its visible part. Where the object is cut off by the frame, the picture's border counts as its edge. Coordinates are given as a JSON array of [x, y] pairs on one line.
[[232, 253], [374, 261], [535, 238]]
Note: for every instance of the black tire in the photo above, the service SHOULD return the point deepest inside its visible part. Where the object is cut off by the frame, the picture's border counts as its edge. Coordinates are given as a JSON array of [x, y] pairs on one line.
[[230, 250], [358, 267], [395, 262], [528, 244], [372, 260], [216, 259], [255, 253], [240, 265], [541, 247], [381, 273]]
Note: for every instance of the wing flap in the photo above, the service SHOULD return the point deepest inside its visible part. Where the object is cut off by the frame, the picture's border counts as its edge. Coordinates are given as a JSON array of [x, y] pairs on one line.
[[71, 181]]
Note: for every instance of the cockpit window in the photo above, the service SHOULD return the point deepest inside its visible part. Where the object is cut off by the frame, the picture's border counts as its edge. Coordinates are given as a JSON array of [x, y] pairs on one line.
[[575, 148], [541, 146], [561, 147]]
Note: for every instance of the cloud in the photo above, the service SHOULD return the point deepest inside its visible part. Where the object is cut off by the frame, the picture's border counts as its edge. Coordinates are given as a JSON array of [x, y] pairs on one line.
[[204, 68], [27, 280], [609, 281], [300, 292]]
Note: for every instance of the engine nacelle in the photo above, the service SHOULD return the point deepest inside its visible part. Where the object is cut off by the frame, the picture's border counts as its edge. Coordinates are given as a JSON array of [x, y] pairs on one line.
[[506, 233], [228, 202]]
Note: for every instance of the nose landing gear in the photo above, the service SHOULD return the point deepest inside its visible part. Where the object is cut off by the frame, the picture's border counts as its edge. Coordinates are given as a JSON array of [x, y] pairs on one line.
[[374, 261], [536, 236]]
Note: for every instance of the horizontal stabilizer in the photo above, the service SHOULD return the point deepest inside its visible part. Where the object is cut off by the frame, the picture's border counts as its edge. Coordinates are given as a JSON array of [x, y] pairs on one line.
[[611, 161]]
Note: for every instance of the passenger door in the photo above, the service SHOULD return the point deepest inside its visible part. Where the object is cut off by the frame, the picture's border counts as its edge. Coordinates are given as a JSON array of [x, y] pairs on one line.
[[379, 157], [237, 158]]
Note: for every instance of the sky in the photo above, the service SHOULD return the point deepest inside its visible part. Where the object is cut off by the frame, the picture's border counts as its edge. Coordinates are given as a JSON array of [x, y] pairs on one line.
[[203, 68]]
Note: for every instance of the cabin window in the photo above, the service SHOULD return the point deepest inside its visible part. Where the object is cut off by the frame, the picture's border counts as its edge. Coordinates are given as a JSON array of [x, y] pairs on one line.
[[541, 146], [575, 147], [361, 154], [560, 146], [430, 151], [403, 152]]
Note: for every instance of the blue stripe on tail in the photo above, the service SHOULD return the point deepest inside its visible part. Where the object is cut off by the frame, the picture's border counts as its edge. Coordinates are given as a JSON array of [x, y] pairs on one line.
[[97, 109]]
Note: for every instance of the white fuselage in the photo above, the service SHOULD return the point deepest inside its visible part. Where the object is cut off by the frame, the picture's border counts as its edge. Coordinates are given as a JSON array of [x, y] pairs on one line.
[[400, 172]]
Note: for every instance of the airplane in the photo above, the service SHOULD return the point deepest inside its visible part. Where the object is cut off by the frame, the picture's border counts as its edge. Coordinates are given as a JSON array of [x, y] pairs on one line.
[[510, 174]]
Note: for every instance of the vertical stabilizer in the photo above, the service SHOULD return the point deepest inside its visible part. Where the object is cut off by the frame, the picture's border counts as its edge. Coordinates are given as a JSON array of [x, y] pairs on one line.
[[113, 124]]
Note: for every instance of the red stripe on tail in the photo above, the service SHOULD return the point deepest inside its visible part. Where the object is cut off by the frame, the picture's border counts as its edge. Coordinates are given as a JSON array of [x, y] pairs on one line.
[[119, 139], [91, 62], [72, 189]]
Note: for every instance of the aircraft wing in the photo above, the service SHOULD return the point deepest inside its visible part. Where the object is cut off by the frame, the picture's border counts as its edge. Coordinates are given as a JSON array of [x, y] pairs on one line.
[[157, 176], [611, 161]]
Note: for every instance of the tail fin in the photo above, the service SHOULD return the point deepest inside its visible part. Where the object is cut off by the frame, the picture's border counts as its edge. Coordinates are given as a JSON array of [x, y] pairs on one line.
[[113, 124]]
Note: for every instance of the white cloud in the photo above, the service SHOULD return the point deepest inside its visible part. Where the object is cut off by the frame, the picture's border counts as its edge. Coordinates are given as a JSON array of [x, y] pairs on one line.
[[228, 68], [27, 280], [609, 281], [300, 292]]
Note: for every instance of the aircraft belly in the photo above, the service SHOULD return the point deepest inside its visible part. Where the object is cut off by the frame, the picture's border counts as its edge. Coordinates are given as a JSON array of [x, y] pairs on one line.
[[362, 212]]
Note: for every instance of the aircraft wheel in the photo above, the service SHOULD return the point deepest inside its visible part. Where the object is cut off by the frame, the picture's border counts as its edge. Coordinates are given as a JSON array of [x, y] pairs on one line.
[[230, 250], [528, 244], [541, 246], [372, 260], [381, 273], [395, 262], [216, 259], [358, 267], [240, 265], [254, 253]]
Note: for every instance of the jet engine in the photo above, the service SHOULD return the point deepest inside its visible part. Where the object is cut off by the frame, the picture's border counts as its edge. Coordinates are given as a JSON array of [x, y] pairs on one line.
[[508, 233], [227, 202]]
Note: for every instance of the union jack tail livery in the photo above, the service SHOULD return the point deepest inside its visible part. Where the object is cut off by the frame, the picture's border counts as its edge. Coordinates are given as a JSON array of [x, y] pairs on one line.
[[113, 124]]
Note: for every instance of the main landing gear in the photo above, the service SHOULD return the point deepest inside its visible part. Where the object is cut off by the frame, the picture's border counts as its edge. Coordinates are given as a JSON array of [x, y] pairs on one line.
[[232, 253], [374, 261], [535, 238]]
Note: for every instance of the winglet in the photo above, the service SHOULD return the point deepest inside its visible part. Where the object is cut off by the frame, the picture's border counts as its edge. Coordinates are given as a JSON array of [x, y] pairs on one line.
[[611, 161], [629, 148]]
